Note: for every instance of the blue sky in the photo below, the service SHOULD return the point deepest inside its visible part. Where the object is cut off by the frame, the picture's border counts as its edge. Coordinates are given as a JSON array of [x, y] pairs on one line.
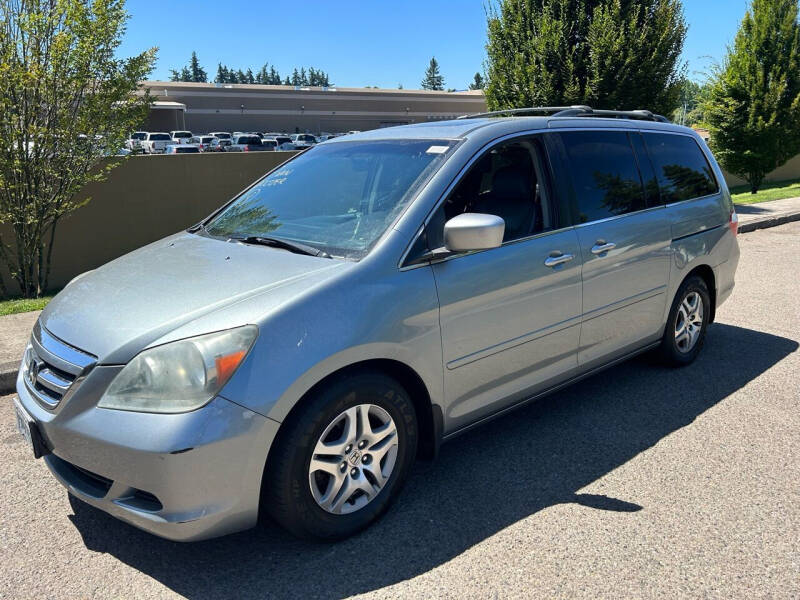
[[362, 42]]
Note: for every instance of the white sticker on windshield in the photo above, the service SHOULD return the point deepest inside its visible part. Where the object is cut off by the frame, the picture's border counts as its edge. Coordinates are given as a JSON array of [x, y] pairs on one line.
[[436, 150]]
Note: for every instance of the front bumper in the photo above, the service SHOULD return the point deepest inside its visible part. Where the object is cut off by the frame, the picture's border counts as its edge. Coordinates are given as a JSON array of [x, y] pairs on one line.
[[183, 477]]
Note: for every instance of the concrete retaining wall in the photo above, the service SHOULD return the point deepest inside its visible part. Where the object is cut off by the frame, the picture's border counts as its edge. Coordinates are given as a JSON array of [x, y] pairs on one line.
[[145, 199]]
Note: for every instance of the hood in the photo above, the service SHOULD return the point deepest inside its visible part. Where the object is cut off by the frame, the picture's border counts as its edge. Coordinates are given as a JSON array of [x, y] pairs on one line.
[[118, 309]]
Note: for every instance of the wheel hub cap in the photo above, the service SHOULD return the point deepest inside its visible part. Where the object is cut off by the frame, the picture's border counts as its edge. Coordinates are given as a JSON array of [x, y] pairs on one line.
[[353, 459], [689, 322]]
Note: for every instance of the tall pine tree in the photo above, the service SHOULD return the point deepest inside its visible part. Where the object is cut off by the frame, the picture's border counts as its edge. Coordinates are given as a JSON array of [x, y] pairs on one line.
[[753, 106], [433, 79], [614, 54]]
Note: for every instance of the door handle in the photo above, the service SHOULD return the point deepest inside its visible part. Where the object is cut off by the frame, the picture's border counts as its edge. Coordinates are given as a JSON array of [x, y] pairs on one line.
[[558, 259], [602, 247]]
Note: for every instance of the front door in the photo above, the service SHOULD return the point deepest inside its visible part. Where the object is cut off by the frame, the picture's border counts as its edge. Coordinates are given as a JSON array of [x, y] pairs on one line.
[[510, 316]]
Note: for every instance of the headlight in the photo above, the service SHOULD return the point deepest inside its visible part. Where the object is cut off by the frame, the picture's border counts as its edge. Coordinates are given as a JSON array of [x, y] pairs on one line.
[[179, 376]]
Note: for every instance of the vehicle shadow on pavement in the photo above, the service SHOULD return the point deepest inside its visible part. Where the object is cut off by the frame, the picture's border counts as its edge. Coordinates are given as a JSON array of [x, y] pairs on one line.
[[484, 481]]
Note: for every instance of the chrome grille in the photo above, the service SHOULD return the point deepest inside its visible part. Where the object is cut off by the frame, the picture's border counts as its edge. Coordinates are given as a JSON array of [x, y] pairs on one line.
[[52, 368]]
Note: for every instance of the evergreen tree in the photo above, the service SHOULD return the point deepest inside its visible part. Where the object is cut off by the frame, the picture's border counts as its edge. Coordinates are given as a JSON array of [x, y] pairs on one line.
[[196, 72], [274, 76], [478, 83], [295, 77], [186, 74], [616, 54], [286, 81], [174, 75], [222, 74], [753, 105], [303, 77], [433, 80], [241, 77], [249, 78]]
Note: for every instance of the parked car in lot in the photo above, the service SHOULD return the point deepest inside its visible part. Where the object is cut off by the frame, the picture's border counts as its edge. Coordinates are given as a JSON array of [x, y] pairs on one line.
[[155, 143], [222, 135], [303, 140], [219, 145], [133, 143], [269, 144], [282, 142], [247, 143], [181, 137], [367, 300], [182, 149], [202, 141]]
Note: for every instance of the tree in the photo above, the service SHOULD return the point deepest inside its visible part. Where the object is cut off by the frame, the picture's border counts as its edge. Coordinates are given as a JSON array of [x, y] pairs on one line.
[[478, 83], [753, 106], [66, 101], [433, 80], [196, 72], [222, 74], [613, 54], [249, 78]]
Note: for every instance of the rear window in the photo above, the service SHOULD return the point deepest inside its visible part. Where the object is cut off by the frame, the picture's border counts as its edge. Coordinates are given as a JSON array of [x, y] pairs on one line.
[[604, 173], [283, 140], [182, 134], [681, 167], [206, 139], [187, 150], [159, 137], [138, 136], [249, 139], [270, 143], [223, 136]]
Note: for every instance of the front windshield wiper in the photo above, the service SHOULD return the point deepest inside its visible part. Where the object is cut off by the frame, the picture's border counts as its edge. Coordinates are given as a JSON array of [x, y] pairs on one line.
[[272, 242], [198, 227]]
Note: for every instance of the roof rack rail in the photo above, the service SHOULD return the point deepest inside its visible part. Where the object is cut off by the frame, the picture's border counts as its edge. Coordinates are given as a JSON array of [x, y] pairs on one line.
[[522, 111], [574, 111]]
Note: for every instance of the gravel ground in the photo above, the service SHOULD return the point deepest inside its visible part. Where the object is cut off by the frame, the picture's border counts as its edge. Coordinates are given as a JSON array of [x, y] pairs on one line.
[[640, 482]]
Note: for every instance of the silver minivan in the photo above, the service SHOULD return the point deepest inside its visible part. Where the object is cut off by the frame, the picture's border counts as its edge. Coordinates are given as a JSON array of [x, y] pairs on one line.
[[292, 354]]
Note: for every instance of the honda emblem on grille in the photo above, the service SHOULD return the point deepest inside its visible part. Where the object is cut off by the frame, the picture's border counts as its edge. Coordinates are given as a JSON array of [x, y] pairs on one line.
[[34, 366]]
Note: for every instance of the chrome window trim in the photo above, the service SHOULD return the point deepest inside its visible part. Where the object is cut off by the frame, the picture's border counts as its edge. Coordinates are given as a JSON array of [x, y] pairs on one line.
[[615, 217]]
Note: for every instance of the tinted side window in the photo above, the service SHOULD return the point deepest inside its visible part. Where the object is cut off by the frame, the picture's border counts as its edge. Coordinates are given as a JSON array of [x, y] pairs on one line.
[[682, 169], [604, 174], [651, 191]]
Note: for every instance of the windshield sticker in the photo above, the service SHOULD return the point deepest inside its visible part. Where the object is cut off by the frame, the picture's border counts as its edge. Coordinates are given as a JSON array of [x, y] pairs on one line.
[[436, 150], [278, 177]]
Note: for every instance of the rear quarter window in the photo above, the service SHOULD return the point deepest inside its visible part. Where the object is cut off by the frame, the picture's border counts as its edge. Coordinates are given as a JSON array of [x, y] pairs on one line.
[[681, 167]]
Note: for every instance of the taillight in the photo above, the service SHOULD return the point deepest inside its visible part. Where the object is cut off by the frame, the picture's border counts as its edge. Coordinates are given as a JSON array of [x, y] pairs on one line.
[[734, 222], [247, 149]]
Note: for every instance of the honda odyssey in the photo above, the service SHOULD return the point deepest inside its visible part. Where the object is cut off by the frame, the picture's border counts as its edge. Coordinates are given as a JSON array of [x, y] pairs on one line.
[[292, 354]]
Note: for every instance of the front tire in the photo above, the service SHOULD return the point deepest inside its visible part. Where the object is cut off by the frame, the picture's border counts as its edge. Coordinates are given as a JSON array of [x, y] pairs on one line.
[[687, 323], [342, 458]]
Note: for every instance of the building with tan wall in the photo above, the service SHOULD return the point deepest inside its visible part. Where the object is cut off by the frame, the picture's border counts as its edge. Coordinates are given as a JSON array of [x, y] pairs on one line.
[[203, 107]]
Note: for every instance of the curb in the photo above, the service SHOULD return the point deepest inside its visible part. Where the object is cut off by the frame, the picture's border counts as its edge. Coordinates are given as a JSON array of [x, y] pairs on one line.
[[765, 222], [8, 377], [8, 370]]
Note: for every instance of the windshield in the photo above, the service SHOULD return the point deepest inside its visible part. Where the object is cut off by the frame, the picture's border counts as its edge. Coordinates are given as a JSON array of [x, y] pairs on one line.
[[338, 197]]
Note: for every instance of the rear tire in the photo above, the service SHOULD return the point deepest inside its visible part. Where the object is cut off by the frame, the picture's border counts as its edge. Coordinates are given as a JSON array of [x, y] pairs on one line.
[[341, 460], [687, 323]]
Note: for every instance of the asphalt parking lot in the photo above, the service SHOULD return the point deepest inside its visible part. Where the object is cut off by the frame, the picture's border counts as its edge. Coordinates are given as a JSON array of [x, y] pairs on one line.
[[640, 482]]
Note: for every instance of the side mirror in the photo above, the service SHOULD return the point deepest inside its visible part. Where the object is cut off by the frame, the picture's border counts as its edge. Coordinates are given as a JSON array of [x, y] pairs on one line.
[[473, 231]]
